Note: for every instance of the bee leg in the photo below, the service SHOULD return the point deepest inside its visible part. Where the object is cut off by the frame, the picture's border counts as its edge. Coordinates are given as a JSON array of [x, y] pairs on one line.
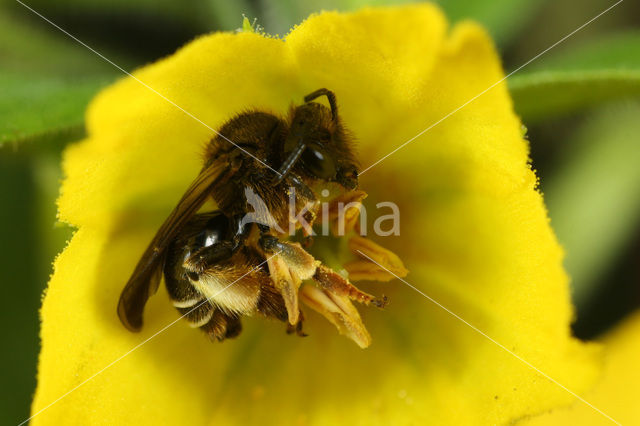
[[301, 188], [339, 285], [218, 252], [199, 261], [297, 328], [234, 327], [216, 328], [288, 267], [297, 259], [307, 241], [312, 204], [222, 326], [242, 231], [287, 283], [289, 162], [305, 266], [271, 304]]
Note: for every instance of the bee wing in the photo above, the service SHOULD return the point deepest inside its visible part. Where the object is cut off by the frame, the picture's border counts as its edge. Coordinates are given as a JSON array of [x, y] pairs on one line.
[[146, 277]]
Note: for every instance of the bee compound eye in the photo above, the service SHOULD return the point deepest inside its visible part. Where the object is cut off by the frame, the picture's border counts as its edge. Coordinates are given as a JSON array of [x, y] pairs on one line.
[[319, 163]]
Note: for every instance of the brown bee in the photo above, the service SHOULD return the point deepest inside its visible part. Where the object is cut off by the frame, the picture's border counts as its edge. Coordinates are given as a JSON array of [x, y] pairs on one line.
[[219, 266]]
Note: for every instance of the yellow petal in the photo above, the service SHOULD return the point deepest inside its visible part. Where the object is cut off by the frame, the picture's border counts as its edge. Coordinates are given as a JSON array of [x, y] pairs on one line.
[[343, 212], [617, 391], [474, 233]]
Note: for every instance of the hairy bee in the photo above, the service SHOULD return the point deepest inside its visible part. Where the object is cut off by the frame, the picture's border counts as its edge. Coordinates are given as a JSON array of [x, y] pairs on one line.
[[219, 266]]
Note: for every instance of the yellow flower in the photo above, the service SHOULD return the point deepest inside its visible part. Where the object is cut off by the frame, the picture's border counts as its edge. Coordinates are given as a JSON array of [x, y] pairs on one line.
[[618, 388], [474, 236]]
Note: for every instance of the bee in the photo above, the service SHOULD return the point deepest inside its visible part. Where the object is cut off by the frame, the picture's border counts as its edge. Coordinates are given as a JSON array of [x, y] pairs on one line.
[[219, 267]]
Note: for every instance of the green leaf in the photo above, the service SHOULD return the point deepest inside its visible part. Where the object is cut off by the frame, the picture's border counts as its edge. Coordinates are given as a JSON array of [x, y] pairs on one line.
[[503, 18], [36, 107], [46, 80], [571, 80], [594, 198], [29, 179], [31, 45], [184, 13]]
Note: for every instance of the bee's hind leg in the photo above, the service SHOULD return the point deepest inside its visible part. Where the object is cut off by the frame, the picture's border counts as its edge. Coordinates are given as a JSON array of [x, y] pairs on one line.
[[207, 256], [220, 251], [297, 328], [222, 326]]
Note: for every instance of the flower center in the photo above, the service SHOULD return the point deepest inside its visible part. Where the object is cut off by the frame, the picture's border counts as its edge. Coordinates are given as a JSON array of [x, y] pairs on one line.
[[339, 255]]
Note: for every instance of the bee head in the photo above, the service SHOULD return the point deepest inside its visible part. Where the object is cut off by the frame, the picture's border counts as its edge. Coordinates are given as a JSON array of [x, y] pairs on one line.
[[316, 136]]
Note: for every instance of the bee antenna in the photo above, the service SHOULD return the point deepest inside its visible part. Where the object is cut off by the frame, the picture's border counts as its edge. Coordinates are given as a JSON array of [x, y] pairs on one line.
[[290, 161], [331, 97]]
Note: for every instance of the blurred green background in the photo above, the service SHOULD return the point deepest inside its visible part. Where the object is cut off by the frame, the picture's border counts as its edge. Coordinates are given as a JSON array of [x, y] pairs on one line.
[[580, 103]]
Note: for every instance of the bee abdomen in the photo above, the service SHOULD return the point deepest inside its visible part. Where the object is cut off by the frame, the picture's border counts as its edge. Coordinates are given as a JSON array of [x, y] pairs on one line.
[[199, 314], [210, 319], [181, 292]]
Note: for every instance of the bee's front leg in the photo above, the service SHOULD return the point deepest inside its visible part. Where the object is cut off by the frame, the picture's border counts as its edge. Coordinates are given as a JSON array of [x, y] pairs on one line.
[[336, 283], [307, 200], [303, 265]]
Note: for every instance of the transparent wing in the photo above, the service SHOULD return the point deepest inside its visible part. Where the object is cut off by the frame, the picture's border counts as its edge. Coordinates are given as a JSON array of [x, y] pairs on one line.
[[146, 277]]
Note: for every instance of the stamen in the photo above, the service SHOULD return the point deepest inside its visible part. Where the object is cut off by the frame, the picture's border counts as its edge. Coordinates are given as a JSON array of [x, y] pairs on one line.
[[364, 269], [331, 292], [339, 311], [343, 212]]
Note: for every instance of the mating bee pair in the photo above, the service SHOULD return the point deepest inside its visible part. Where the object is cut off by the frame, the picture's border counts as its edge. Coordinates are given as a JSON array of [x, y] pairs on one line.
[[218, 267]]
